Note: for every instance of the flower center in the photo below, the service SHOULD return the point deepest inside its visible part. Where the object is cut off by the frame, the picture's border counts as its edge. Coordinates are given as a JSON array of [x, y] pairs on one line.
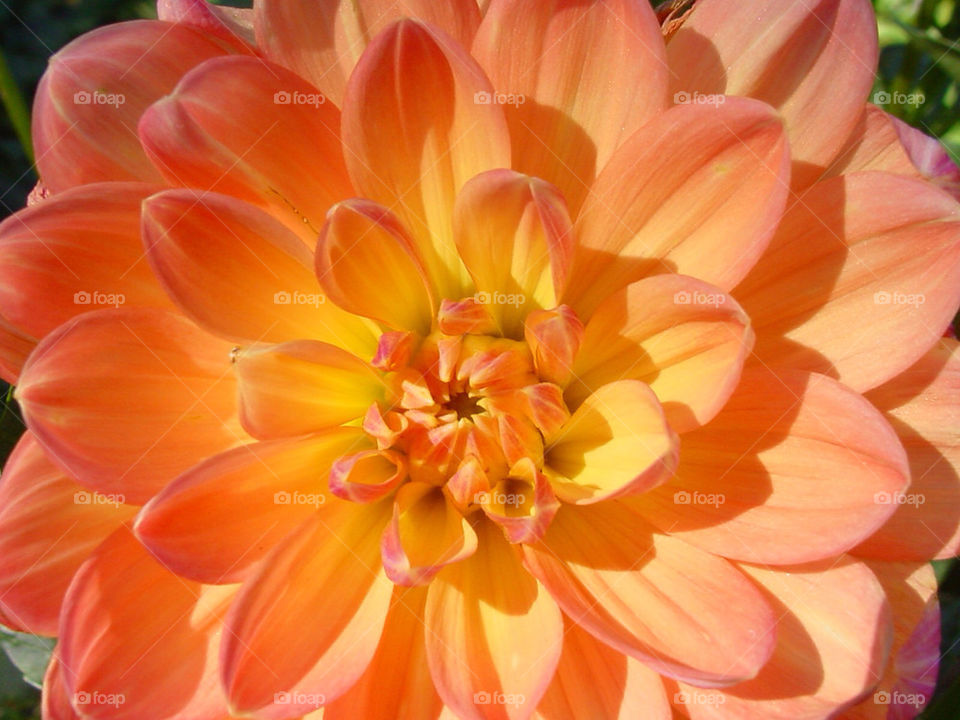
[[470, 413]]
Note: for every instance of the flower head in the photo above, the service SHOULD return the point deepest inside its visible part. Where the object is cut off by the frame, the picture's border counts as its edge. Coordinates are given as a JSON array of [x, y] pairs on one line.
[[506, 359]]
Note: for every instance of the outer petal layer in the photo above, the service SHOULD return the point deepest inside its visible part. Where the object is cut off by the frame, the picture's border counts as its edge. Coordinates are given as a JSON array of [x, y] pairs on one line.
[[218, 519], [683, 612], [861, 279], [833, 637], [698, 191], [127, 399], [91, 97], [813, 61], [923, 405], [795, 468], [138, 642], [79, 250], [272, 140], [240, 273], [306, 625], [48, 527]]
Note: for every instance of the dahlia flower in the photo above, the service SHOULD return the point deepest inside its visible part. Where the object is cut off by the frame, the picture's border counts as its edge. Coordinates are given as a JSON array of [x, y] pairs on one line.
[[499, 360]]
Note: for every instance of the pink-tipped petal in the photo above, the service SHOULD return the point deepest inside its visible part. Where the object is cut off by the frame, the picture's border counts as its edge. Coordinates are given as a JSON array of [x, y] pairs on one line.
[[232, 26]]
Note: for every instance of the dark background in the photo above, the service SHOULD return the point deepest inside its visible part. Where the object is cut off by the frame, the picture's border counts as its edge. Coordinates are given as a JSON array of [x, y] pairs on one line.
[[921, 53]]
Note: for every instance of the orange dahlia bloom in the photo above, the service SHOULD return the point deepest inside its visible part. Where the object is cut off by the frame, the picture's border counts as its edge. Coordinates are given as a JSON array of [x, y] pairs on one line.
[[499, 360]]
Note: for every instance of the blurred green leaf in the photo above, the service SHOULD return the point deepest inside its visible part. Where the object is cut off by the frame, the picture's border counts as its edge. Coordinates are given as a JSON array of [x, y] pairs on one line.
[[29, 653]]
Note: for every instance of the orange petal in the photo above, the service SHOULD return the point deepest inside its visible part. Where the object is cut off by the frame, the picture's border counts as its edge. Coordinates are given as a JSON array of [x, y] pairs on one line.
[[324, 42], [515, 237], [874, 145], [273, 140], [552, 63], [426, 533], [860, 280], [686, 338], [814, 62], [80, 250], [217, 520], [48, 526], [301, 387], [923, 405], [595, 681], [96, 88], [15, 347], [240, 273], [56, 703], [637, 590], [930, 156], [360, 235], [139, 642], [233, 26], [127, 399], [493, 634], [414, 135], [698, 191], [911, 673], [826, 655], [760, 482], [616, 443], [466, 316], [304, 628], [397, 684]]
